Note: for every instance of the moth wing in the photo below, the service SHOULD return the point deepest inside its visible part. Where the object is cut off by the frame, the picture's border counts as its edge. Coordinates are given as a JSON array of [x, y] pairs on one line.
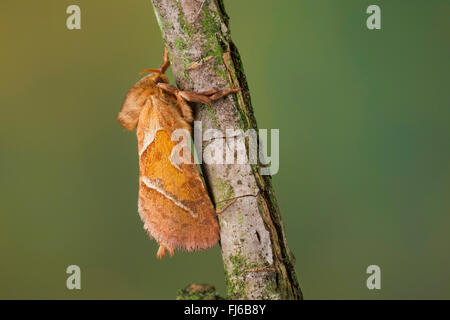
[[173, 202], [131, 108]]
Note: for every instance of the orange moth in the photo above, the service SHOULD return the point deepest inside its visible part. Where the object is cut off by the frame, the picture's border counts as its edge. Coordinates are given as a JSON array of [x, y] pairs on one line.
[[173, 202]]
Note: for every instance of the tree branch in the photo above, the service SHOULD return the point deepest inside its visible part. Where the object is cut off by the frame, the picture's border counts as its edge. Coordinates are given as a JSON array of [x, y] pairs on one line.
[[258, 263]]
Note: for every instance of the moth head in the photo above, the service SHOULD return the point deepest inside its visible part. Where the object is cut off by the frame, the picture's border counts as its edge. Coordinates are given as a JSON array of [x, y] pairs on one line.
[[155, 78]]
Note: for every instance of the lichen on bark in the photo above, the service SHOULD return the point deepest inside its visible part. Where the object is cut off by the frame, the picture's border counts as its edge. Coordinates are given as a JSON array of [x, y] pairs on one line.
[[258, 263], [195, 291]]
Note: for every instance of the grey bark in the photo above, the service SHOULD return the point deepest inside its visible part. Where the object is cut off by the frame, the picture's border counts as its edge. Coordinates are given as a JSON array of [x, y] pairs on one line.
[[258, 263]]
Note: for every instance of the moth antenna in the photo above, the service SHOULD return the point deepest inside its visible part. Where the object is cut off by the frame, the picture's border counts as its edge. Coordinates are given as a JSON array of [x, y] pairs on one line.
[[150, 70], [166, 62], [163, 67]]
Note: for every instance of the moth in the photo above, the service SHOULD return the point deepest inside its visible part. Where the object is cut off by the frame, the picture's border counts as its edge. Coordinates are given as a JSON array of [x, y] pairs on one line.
[[173, 202]]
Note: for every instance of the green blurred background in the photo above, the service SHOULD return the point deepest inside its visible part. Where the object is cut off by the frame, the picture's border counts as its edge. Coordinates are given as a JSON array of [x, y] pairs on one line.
[[364, 131]]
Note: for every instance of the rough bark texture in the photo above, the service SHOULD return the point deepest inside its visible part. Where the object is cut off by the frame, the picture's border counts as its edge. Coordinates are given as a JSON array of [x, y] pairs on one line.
[[258, 263], [198, 292]]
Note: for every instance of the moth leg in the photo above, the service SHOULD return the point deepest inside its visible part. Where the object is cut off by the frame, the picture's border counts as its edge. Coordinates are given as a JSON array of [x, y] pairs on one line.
[[163, 67], [208, 92], [186, 110], [223, 93], [162, 251], [206, 97], [183, 96], [168, 87]]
